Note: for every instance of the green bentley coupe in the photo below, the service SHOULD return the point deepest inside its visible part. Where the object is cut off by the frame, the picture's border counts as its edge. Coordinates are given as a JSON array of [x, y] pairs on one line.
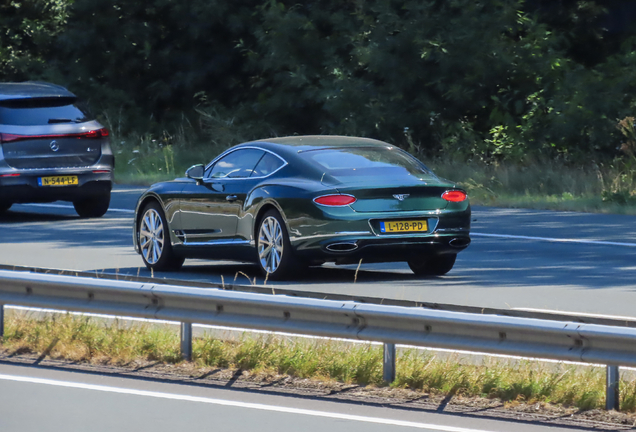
[[287, 203]]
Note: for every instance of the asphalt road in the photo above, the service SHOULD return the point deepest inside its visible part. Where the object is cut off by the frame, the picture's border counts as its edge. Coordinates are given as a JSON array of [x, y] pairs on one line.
[[574, 262], [41, 399]]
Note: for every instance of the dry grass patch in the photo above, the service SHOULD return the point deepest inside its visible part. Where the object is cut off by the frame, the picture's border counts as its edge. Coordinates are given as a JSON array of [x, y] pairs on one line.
[[90, 340]]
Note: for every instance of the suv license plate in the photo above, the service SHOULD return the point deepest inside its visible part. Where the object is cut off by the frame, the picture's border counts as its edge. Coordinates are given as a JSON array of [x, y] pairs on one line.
[[403, 226], [58, 181]]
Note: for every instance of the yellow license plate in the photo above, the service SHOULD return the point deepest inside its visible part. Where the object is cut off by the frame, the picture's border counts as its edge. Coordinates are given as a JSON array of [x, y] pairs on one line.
[[403, 226], [58, 181]]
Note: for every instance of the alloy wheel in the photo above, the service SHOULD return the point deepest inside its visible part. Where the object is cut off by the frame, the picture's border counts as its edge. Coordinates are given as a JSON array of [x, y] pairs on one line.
[[151, 236], [270, 244]]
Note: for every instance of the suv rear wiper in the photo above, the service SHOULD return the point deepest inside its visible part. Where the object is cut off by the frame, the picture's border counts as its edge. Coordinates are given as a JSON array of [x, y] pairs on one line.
[[61, 120]]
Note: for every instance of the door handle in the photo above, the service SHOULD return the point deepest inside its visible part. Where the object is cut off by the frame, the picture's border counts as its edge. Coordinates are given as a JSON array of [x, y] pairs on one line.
[[231, 198]]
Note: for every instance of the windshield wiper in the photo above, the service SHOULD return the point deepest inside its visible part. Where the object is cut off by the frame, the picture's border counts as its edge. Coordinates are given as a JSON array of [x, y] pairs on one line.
[[61, 120]]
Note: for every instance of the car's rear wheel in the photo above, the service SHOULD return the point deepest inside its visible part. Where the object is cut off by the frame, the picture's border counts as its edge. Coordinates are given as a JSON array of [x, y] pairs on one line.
[[92, 207], [275, 255], [433, 265], [4, 206], [154, 240]]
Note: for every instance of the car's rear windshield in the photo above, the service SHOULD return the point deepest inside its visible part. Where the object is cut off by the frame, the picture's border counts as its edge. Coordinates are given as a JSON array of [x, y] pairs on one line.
[[41, 111], [365, 161]]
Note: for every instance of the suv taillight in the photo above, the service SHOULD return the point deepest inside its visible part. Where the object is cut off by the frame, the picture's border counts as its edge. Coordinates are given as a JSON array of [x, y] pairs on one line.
[[97, 133]]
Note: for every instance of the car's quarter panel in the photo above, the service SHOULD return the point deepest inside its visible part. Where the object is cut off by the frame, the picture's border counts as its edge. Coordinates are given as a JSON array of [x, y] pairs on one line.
[[292, 197]]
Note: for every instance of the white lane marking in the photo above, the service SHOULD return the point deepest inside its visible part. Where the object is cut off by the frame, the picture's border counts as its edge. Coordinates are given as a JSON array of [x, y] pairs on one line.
[[583, 314], [71, 207], [248, 405], [555, 240]]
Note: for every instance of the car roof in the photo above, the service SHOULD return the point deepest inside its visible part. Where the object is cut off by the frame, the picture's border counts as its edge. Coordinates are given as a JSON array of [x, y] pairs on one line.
[[32, 89], [299, 144]]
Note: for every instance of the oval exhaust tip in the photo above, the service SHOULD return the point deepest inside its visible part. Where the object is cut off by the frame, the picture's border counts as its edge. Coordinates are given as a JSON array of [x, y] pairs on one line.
[[459, 242], [342, 247]]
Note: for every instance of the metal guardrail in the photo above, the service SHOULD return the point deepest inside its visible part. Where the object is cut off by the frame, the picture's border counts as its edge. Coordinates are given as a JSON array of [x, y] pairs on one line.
[[491, 334], [289, 291]]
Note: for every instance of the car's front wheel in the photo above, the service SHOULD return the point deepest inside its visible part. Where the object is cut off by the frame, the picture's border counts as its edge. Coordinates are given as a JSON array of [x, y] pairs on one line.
[[275, 255], [93, 207], [434, 265], [154, 240]]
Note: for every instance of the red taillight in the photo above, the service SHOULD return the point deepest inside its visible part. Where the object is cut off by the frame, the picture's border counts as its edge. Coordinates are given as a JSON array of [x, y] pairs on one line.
[[97, 133], [335, 200], [10, 175], [6, 137], [101, 171], [454, 196]]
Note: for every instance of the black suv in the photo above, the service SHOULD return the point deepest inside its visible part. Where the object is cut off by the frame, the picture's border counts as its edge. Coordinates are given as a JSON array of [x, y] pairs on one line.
[[51, 149]]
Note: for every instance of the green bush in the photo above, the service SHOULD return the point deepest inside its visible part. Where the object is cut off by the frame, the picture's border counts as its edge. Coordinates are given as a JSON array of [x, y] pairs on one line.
[[27, 32], [497, 80]]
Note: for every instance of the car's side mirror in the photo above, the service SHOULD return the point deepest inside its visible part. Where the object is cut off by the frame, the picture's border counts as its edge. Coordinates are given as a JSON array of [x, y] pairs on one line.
[[195, 172]]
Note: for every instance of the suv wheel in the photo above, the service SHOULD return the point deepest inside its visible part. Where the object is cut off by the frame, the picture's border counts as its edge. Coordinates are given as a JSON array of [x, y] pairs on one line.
[[92, 207]]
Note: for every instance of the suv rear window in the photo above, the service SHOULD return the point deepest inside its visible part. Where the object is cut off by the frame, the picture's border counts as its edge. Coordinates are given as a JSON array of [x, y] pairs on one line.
[[365, 161], [41, 111]]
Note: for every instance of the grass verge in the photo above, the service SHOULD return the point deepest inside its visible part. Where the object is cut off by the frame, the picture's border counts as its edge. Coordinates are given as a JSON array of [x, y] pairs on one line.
[[549, 185], [89, 340]]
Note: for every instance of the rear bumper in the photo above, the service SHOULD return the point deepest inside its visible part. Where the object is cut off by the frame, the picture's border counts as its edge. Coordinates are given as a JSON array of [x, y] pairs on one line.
[[347, 237], [353, 248], [25, 188]]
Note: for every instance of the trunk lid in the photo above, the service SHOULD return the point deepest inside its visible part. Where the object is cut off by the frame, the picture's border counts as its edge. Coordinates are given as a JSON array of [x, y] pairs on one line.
[[397, 193], [52, 152]]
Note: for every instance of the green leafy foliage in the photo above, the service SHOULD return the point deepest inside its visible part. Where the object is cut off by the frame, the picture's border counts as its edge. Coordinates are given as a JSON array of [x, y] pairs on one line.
[[487, 77], [489, 81], [155, 59], [27, 29]]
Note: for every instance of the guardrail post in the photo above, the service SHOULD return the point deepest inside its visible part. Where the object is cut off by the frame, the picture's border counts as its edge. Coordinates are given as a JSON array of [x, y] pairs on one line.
[[612, 401], [1, 320], [388, 369], [186, 341]]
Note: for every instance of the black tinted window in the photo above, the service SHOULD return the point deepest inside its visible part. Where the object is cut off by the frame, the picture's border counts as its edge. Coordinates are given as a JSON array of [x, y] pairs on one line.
[[238, 164], [32, 112], [365, 161], [268, 164]]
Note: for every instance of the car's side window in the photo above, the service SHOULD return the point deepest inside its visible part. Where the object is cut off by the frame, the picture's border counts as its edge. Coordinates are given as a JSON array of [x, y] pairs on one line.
[[267, 165], [237, 164]]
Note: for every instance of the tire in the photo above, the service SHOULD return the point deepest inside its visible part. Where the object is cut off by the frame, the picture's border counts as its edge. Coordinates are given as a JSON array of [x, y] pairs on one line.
[[154, 240], [434, 265], [92, 207], [274, 252], [4, 206]]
